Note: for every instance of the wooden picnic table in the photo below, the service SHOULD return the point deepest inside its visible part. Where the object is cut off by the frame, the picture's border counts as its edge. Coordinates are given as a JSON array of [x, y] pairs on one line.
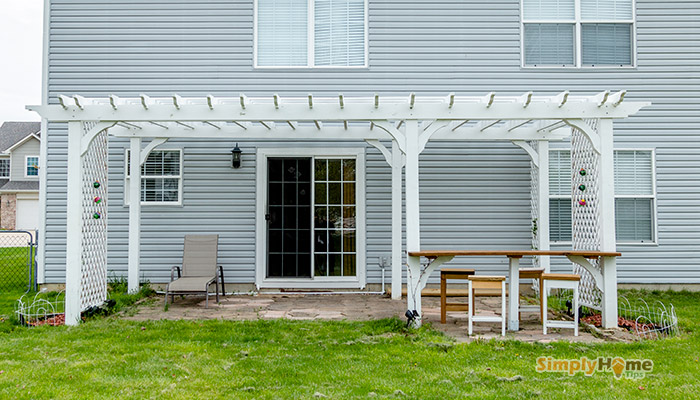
[[581, 257]]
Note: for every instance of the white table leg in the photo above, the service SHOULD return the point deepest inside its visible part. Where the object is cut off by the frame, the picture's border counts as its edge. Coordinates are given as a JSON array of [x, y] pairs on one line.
[[514, 294]]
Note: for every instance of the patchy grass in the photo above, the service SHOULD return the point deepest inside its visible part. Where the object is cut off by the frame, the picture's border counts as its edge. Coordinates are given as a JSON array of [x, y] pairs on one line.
[[118, 288], [109, 357]]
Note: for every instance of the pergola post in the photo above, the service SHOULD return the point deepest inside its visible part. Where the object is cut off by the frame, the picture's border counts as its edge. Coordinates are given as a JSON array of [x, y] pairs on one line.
[[607, 222], [134, 214], [543, 202], [396, 216], [413, 217], [74, 223]]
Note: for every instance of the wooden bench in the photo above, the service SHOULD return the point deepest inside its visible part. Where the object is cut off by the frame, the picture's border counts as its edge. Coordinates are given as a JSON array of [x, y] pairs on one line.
[[445, 275], [533, 273], [487, 282], [560, 281]]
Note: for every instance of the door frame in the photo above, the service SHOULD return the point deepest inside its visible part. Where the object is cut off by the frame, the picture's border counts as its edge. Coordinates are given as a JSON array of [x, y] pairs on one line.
[[261, 175]]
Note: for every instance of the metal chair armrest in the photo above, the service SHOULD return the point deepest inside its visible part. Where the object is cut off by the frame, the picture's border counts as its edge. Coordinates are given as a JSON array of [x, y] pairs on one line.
[[221, 277], [172, 272]]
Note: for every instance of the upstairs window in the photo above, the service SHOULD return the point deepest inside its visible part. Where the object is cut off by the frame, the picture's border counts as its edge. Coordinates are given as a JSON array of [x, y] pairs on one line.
[[32, 166], [575, 33], [311, 33], [5, 168]]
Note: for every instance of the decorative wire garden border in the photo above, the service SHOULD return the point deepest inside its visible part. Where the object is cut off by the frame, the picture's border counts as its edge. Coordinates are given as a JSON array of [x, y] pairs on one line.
[[650, 322], [646, 321], [43, 309]]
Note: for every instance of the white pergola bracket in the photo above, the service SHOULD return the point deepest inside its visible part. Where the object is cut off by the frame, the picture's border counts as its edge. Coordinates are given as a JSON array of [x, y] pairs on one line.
[[587, 130], [396, 134], [382, 149], [90, 135], [529, 150], [597, 275], [143, 155], [428, 132]]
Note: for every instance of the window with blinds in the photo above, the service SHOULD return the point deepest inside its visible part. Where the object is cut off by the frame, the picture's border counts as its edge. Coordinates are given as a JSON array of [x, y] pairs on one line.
[[634, 196], [578, 33], [311, 33], [560, 196], [161, 177]]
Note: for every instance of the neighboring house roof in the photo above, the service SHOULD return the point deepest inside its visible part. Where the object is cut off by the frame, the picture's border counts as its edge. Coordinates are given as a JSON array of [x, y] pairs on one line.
[[19, 186], [12, 133]]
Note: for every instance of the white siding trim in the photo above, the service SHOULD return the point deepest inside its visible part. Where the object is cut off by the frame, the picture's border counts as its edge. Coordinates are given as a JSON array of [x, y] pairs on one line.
[[43, 150], [358, 282]]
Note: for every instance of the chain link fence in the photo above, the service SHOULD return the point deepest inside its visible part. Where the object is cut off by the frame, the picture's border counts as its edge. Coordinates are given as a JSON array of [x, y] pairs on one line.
[[17, 261]]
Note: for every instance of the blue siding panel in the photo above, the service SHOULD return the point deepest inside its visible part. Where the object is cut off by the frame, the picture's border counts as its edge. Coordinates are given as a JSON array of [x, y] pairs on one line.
[[194, 48]]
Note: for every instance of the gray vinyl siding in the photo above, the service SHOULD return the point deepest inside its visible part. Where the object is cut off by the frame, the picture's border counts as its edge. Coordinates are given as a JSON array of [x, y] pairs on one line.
[[18, 162], [474, 195]]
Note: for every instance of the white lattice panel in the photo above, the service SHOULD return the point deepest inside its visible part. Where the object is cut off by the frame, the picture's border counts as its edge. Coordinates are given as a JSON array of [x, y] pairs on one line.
[[535, 214], [93, 284], [585, 210]]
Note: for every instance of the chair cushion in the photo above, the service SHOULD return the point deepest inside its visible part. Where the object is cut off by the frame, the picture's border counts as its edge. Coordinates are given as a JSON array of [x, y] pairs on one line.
[[191, 284]]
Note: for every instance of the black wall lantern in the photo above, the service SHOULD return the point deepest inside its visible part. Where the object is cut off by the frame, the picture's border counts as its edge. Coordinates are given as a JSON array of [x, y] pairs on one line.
[[236, 157]]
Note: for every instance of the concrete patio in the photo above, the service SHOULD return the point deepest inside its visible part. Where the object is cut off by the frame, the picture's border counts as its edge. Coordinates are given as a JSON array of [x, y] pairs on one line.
[[350, 307]]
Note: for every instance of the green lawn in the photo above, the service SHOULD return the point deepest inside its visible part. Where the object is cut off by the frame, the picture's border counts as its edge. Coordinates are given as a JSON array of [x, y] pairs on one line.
[[113, 358]]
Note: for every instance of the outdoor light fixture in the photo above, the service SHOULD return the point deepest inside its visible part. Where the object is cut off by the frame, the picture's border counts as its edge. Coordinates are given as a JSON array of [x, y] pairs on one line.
[[236, 157]]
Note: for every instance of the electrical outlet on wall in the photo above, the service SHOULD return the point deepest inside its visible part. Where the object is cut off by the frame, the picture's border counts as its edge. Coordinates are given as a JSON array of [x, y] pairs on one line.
[[384, 261]]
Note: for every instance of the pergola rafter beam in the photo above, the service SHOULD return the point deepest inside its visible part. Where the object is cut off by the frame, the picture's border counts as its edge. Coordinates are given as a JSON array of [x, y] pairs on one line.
[[490, 107]]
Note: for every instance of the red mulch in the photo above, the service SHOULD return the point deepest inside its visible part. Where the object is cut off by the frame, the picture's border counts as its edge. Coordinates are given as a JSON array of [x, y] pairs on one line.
[[597, 321], [56, 320]]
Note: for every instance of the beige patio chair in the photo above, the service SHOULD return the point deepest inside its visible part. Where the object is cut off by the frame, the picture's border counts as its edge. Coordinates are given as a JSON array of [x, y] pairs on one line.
[[199, 269]]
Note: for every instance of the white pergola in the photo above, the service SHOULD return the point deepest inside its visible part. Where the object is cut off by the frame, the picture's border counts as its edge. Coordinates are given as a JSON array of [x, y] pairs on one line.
[[408, 123]]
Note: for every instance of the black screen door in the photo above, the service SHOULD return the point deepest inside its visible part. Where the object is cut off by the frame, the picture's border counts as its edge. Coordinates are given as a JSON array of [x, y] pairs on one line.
[[289, 217]]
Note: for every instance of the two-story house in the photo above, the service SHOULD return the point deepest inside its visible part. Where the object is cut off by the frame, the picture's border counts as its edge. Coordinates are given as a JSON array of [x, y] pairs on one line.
[[19, 175], [358, 48]]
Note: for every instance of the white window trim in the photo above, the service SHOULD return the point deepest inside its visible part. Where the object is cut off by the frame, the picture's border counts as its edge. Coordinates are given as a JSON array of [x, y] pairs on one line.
[[310, 43], [653, 197], [154, 203], [578, 56], [321, 282], [9, 167], [26, 159]]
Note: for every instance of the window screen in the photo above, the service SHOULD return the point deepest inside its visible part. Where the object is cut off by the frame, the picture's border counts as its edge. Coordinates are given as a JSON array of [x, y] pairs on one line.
[[339, 32], [606, 44], [549, 44], [282, 33]]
